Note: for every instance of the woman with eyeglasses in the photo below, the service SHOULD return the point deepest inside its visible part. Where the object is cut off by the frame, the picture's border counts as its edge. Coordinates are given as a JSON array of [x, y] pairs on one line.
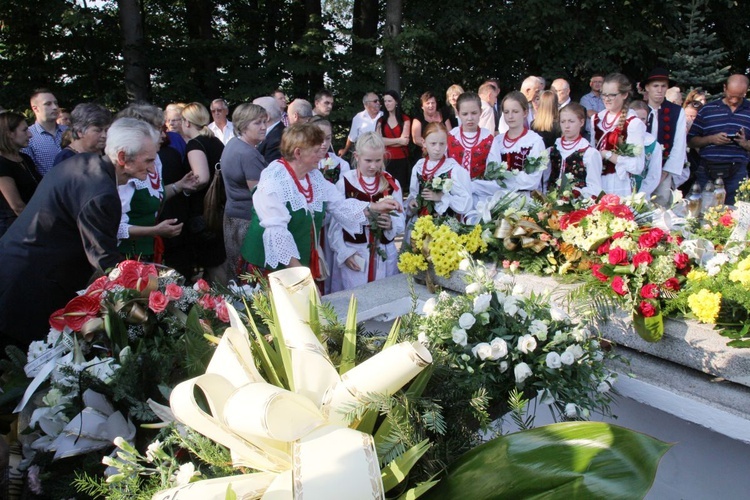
[[618, 135]]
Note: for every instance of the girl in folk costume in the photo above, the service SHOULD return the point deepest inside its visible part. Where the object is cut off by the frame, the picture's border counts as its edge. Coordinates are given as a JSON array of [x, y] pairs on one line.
[[439, 186], [647, 181], [290, 203], [395, 128], [332, 167], [521, 149], [370, 255], [469, 144], [618, 135], [573, 156]]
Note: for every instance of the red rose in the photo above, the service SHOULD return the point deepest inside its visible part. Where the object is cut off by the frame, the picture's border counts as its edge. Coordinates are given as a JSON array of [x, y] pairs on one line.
[[201, 286], [572, 218], [173, 292], [80, 310], [221, 311], [57, 320], [604, 248], [595, 271], [651, 238], [672, 284], [609, 199], [618, 256], [642, 257], [619, 286], [726, 220], [681, 260], [157, 301], [647, 308], [676, 239], [650, 291], [207, 302]]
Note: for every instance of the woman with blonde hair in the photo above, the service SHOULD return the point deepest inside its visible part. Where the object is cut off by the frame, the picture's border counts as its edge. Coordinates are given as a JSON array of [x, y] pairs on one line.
[[619, 135], [450, 111], [547, 119], [204, 158]]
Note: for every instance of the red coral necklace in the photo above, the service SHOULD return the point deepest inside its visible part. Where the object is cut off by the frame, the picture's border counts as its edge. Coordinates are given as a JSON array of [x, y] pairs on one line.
[[307, 192]]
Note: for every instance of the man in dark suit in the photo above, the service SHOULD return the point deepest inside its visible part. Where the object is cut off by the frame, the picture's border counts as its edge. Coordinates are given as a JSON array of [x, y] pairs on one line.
[[68, 231], [270, 146]]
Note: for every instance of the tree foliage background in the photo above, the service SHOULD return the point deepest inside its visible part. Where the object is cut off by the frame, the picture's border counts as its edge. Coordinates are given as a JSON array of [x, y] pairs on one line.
[[191, 50]]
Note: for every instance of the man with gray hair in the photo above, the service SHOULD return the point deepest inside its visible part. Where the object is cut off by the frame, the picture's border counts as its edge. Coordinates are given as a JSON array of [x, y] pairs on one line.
[[561, 87], [300, 111], [270, 147], [221, 126], [68, 231], [364, 121]]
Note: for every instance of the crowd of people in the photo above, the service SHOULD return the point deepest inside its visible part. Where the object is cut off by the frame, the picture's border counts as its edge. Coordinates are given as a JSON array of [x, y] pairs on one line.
[[219, 199]]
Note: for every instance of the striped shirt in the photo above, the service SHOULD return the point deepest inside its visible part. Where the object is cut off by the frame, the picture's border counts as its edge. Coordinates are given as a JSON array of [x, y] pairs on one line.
[[716, 117], [43, 146]]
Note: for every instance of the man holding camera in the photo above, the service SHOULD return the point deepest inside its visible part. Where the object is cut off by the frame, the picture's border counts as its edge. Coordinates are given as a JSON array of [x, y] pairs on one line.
[[721, 131]]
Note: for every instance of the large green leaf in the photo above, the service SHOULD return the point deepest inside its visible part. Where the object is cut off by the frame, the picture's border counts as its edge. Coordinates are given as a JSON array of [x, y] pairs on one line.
[[349, 344], [587, 460], [398, 469]]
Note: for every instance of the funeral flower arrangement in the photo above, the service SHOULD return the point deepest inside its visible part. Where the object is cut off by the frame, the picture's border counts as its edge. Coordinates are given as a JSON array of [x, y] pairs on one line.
[[112, 354], [719, 293], [499, 341]]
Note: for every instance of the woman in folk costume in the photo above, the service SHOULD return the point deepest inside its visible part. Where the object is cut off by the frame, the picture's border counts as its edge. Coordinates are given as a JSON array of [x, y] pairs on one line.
[[521, 149], [290, 203], [439, 185], [618, 135], [574, 164], [370, 255]]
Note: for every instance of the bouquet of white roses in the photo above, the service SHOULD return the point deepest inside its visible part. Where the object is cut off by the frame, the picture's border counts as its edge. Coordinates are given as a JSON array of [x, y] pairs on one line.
[[497, 338]]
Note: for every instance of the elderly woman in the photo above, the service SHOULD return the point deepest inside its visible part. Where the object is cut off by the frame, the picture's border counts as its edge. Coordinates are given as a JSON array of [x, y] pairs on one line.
[[241, 166], [289, 205], [173, 123], [142, 199], [88, 127], [18, 175]]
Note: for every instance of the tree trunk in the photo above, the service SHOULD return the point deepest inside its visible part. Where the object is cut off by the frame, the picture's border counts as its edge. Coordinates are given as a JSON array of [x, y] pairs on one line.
[[131, 28], [200, 31], [365, 28], [393, 17], [314, 24]]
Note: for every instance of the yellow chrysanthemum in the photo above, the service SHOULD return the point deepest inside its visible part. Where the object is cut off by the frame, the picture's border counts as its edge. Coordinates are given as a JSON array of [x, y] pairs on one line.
[[740, 276], [473, 241], [705, 305], [696, 275], [744, 264], [411, 263]]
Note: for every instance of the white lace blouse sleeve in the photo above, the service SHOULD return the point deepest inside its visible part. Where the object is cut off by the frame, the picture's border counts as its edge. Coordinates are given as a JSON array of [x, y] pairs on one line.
[[274, 217], [126, 192], [349, 213], [398, 221]]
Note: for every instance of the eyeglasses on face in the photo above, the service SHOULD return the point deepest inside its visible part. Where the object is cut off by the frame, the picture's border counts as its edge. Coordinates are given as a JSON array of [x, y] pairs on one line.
[[609, 97]]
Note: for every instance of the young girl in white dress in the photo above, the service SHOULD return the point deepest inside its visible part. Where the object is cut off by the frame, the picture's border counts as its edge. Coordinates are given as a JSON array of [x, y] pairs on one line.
[[370, 255], [439, 186], [572, 155], [615, 129], [515, 146]]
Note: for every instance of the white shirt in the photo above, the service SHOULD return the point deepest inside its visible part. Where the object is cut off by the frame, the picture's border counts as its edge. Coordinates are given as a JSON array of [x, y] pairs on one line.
[[458, 198], [561, 106], [224, 136], [363, 123], [487, 118]]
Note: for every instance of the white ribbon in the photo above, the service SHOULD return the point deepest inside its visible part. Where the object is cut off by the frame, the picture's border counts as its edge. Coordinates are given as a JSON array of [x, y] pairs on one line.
[[298, 439]]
